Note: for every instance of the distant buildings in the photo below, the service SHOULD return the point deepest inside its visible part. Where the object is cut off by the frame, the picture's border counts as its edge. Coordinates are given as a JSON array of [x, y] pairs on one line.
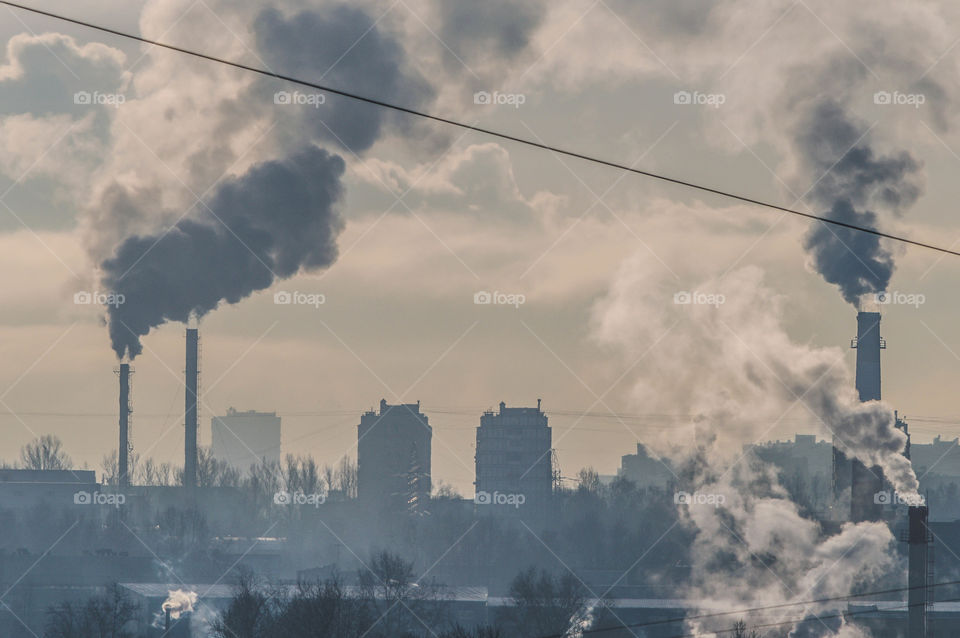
[[243, 439], [514, 462], [940, 459], [25, 489], [393, 457], [803, 456], [645, 470]]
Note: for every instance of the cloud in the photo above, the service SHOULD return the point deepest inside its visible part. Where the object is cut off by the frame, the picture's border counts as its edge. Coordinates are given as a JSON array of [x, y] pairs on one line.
[[481, 32], [476, 181], [44, 72]]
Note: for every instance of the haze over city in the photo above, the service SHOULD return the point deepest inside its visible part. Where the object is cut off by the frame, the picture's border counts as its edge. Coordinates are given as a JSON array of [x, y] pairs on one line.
[[654, 300]]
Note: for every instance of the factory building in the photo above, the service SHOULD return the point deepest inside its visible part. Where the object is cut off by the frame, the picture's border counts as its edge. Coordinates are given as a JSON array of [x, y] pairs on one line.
[[514, 461], [646, 470], [393, 457], [246, 438]]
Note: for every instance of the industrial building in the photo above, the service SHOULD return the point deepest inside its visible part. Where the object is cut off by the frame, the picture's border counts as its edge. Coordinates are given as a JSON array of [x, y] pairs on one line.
[[646, 470], [514, 461], [25, 489], [246, 438], [393, 457]]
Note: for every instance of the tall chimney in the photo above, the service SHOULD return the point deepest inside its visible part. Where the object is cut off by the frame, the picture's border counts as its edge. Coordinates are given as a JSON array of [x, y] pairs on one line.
[[866, 483], [191, 374], [123, 450], [918, 577]]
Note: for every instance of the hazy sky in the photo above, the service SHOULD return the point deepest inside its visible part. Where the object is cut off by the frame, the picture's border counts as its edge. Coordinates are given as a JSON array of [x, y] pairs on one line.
[[432, 215]]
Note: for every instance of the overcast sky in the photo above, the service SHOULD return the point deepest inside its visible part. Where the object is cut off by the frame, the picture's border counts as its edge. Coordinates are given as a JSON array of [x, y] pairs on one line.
[[426, 216]]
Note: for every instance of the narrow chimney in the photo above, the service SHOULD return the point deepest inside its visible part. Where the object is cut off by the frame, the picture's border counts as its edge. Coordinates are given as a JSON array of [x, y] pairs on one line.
[[123, 450], [868, 347], [918, 576], [867, 482], [191, 375]]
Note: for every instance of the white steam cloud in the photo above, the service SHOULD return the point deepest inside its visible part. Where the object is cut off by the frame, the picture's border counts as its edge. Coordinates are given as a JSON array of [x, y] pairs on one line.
[[732, 365]]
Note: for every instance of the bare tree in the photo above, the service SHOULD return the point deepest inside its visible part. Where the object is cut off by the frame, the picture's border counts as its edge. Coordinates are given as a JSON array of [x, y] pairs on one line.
[[107, 616], [45, 453], [212, 472], [740, 630], [544, 604], [249, 614], [400, 602]]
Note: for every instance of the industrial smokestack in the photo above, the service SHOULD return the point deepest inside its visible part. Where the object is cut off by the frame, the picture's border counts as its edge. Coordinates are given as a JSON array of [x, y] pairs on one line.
[[866, 483], [191, 380], [918, 577], [123, 450]]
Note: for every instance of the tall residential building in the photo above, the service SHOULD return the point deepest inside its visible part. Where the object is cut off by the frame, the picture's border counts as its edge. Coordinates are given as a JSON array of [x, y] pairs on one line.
[[246, 438], [514, 461], [393, 457]]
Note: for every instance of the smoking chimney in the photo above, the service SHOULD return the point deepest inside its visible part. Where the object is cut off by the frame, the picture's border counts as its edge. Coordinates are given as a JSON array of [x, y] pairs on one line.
[[918, 578], [866, 483], [191, 374], [123, 450]]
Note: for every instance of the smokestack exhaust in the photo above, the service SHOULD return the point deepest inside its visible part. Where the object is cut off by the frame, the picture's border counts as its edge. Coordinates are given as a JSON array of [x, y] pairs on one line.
[[123, 449], [191, 381], [866, 483]]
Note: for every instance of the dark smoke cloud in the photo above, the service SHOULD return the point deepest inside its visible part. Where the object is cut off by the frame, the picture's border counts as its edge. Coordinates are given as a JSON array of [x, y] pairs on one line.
[[497, 28], [855, 262], [272, 221], [853, 180], [342, 47]]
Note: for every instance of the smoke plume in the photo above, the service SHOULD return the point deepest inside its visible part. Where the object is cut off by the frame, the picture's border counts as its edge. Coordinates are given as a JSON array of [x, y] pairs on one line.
[[269, 223], [851, 181], [731, 364]]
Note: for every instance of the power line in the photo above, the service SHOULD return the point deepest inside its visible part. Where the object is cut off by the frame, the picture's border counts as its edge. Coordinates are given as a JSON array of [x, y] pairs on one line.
[[751, 610], [794, 621], [485, 131]]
